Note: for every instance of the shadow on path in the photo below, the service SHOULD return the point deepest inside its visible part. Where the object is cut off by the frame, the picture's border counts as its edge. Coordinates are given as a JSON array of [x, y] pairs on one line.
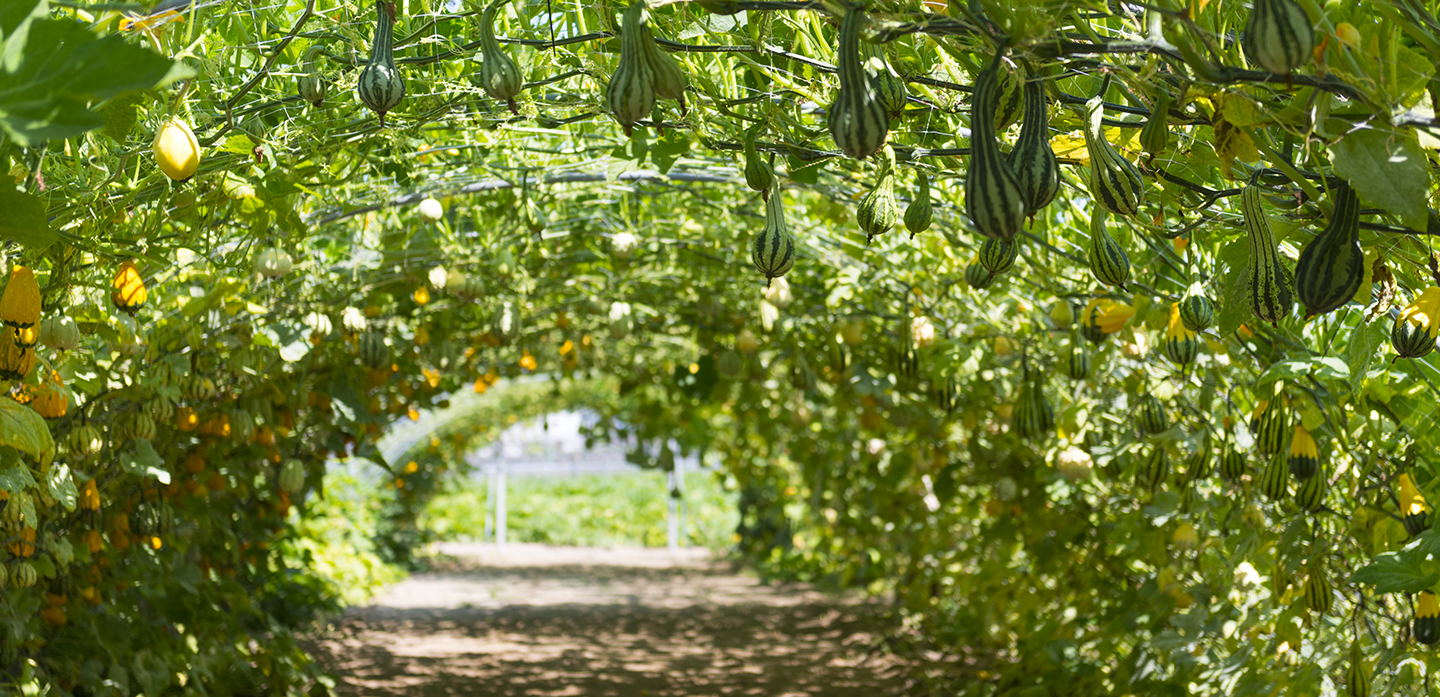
[[547, 622]]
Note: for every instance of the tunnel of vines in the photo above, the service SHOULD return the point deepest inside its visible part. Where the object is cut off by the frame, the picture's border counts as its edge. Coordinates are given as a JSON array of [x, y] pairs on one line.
[[1097, 337]]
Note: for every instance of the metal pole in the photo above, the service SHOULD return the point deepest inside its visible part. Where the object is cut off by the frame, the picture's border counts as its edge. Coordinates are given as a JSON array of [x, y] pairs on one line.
[[500, 509]]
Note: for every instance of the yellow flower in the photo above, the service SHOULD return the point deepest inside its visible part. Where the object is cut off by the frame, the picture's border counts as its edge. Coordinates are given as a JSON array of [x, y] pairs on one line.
[[1423, 310], [1176, 329], [1411, 500], [1107, 315]]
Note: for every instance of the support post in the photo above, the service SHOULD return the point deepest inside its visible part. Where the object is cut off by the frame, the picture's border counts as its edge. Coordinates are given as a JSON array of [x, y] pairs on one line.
[[500, 509]]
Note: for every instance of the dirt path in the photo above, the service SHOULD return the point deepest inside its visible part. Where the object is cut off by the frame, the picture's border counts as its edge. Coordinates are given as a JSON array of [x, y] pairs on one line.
[[547, 622]]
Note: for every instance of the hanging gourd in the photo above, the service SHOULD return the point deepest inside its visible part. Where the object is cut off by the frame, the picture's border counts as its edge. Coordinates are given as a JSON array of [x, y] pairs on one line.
[[127, 291], [631, 92], [499, 74], [20, 306], [773, 251], [381, 87], [858, 120], [177, 152], [311, 84], [994, 200]]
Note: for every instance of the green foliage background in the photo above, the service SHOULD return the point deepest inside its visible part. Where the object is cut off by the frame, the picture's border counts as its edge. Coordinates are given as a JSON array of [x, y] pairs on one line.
[[1040, 564]]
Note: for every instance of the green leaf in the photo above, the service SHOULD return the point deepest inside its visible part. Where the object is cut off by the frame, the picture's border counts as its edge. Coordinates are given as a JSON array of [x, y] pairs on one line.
[[24, 430], [147, 462], [1402, 572], [23, 219], [62, 487], [120, 115], [51, 68], [1234, 309], [16, 477], [1361, 351], [1387, 169]]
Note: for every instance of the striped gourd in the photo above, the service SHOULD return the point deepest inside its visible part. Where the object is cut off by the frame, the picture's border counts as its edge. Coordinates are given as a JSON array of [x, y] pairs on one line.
[[505, 324], [1357, 672], [373, 351], [920, 213], [1033, 160], [1332, 267], [1269, 291], [977, 276], [631, 93], [1034, 417], [1108, 260], [1197, 313], [877, 210], [1180, 344], [670, 79], [1311, 494], [858, 120], [1078, 367], [907, 358], [1155, 135], [1278, 36], [773, 251], [1115, 184], [1275, 480], [758, 173], [1304, 456], [499, 74], [1151, 415], [1232, 463], [1319, 594], [1269, 424], [1009, 96], [1413, 335], [1426, 627], [889, 86], [1198, 466], [380, 86], [1154, 468], [998, 256], [947, 394], [993, 198], [311, 83]]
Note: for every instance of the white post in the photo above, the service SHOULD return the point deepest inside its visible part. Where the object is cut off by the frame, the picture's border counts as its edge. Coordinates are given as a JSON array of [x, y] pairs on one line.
[[489, 502], [500, 509], [672, 513]]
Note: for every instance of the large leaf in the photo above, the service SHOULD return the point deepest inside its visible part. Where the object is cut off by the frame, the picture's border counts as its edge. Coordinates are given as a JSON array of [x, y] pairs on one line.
[[50, 69], [24, 430], [1409, 570], [22, 219], [1387, 168]]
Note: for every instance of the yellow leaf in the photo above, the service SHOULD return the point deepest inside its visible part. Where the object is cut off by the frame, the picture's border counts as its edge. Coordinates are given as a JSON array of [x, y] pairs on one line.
[[1071, 146]]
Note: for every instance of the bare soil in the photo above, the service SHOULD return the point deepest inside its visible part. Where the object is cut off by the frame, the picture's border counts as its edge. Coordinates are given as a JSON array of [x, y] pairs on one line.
[[547, 621]]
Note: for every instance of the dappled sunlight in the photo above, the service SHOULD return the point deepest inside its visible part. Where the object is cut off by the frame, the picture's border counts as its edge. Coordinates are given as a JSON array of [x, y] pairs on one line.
[[555, 621]]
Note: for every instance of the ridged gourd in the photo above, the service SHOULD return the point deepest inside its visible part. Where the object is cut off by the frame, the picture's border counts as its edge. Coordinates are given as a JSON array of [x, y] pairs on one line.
[[759, 176], [858, 120], [998, 256], [1264, 277], [1033, 160], [1115, 183], [773, 251], [1278, 36], [1108, 260], [877, 210], [380, 85], [499, 74], [631, 92], [994, 200], [1332, 267], [920, 213]]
